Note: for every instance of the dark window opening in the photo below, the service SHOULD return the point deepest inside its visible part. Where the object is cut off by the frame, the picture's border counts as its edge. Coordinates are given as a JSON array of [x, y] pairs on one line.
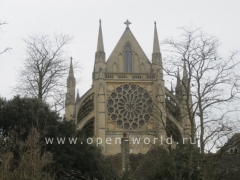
[[128, 58]]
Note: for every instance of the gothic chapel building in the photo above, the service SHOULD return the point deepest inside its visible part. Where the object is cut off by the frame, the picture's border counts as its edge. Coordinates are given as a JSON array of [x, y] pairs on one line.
[[128, 95]]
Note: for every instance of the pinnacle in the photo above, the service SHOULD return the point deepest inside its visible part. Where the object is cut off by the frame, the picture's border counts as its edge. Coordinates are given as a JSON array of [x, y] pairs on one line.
[[71, 74], [156, 47], [100, 47], [185, 74]]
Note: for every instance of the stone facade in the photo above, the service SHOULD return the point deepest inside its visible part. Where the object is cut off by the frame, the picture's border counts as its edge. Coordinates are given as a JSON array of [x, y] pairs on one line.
[[128, 95]]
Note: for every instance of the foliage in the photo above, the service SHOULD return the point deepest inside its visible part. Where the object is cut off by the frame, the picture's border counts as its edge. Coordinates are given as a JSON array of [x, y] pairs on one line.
[[79, 156], [173, 164], [25, 159], [21, 114], [77, 159], [17, 118]]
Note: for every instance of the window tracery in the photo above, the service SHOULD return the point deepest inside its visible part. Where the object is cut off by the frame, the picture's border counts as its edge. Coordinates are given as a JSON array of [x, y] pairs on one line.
[[130, 106]]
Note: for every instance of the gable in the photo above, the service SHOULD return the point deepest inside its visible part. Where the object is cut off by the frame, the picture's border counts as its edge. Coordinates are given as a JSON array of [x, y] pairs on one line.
[[140, 63]]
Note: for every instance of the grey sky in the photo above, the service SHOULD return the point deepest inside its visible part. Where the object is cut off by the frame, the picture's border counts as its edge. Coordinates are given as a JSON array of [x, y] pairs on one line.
[[80, 18]]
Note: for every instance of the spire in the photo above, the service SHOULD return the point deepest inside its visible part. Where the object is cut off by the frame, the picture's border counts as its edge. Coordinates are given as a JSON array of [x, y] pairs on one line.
[[100, 62], [178, 86], [71, 74], [178, 79], [78, 96], [156, 55], [156, 47], [185, 74], [185, 79], [100, 47], [70, 95]]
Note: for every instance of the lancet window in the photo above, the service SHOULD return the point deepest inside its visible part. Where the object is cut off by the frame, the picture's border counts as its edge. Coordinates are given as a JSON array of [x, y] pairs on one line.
[[128, 58]]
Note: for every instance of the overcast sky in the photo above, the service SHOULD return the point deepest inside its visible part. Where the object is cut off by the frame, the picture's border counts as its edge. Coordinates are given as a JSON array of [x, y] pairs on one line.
[[81, 19]]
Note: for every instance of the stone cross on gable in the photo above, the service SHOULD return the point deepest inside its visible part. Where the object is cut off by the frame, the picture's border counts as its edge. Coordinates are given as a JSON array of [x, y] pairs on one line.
[[127, 23]]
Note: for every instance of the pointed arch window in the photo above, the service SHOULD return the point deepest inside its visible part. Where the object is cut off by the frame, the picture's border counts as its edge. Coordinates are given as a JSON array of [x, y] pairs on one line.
[[128, 58]]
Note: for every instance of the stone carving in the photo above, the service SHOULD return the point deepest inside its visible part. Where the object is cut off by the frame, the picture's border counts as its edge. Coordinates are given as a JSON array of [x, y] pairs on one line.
[[129, 106]]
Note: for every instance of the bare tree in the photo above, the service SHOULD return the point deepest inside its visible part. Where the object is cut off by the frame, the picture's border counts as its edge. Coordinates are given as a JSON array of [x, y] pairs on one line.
[[45, 69], [7, 48], [209, 87]]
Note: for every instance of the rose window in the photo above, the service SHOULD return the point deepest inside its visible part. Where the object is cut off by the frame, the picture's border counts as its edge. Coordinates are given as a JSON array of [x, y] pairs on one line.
[[129, 106]]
